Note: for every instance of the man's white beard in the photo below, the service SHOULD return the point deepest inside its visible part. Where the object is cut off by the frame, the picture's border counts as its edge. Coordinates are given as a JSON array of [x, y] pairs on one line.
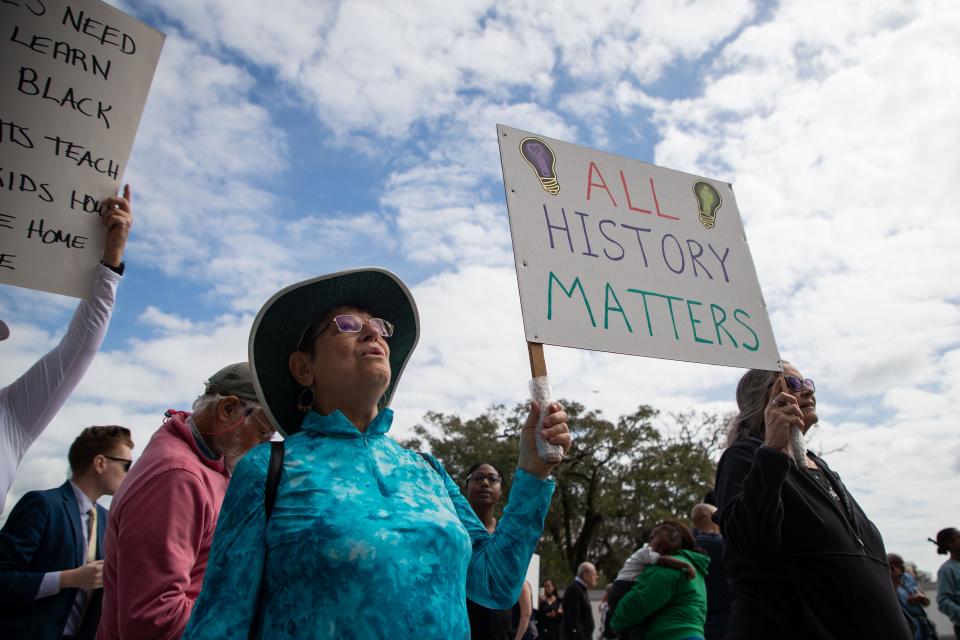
[[798, 447]]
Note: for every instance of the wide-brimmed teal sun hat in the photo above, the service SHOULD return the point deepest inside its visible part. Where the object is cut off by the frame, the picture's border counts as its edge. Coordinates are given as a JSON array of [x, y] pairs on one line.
[[281, 323]]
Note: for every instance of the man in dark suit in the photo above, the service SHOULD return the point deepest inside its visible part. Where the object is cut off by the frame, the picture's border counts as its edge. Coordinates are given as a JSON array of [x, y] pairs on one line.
[[577, 610], [51, 547]]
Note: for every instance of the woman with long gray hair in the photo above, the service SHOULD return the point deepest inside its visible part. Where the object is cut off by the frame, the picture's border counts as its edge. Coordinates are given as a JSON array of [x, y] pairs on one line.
[[803, 559]]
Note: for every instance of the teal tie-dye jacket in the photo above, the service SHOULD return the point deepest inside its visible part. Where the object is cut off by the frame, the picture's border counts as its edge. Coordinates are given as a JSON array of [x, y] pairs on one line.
[[366, 540]]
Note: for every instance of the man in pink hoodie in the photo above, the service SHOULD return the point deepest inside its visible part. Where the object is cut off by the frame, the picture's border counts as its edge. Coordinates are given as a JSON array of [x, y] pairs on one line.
[[163, 518]]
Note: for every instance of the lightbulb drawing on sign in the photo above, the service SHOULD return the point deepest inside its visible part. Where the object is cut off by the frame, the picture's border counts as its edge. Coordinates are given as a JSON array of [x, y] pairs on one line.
[[541, 157], [709, 200]]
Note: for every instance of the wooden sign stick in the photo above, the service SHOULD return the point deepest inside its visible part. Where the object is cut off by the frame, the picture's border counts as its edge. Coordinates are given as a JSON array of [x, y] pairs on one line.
[[540, 391], [538, 364]]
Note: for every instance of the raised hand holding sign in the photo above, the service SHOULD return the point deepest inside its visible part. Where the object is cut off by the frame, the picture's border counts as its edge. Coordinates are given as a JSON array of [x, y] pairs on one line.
[[75, 77]]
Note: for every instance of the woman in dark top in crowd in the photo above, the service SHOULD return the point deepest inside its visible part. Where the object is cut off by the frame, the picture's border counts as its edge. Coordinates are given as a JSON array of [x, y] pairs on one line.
[[483, 487], [802, 557], [550, 612], [523, 617]]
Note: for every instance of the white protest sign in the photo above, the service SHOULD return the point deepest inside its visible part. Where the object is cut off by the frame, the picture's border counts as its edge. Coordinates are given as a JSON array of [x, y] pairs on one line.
[[618, 255], [74, 77], [533, 577]]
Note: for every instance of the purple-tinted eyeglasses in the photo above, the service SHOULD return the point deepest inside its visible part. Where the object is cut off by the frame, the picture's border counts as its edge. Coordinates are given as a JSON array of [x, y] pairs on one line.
[[796, 384], [349, 323], [346, 323]]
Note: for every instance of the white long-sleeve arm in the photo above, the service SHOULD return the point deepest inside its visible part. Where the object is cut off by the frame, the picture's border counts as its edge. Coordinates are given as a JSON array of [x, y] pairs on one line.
[[29, 404]]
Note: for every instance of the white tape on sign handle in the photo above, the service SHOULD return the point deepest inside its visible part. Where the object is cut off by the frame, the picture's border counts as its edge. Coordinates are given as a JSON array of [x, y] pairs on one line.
[[540, 391]]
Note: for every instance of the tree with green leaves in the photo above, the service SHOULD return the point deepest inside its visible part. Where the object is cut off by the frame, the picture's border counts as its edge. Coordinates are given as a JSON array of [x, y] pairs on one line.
[[618, 480]]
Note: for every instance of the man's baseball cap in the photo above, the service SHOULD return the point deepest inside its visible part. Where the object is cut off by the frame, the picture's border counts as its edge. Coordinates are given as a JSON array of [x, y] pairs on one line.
[[233, 380]]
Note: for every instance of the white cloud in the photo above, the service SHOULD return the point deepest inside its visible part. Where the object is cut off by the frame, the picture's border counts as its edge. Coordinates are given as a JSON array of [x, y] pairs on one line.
[[204, 205], [27, 306], [450, 209], [340, 232], [441, 220], [364, 65], [165, 321], [200, 169], [453, 68]]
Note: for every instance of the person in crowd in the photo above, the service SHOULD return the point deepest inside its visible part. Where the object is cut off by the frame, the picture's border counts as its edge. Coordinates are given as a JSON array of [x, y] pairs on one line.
[[803, 559], [483, 488], [550, 612], [523, 616], [909, 578], [912, 599], [948, 577], [668, 604], [634, 565], [29, 403], [51, 547], [709, 539], [365, 539], [604, 610], [910, 572], [163, 518], [578, 623]]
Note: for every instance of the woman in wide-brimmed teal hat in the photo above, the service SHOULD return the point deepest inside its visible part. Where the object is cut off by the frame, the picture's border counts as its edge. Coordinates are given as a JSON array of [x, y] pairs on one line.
[[366, 539]]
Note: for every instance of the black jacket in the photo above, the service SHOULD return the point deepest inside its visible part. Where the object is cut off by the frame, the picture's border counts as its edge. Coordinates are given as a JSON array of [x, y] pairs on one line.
[[718, 591], [801, 563], [488, 624], [577, 613]]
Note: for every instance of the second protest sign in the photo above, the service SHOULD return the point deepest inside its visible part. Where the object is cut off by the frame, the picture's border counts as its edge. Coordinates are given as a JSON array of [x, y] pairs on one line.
[[74, 76], [618, 255]]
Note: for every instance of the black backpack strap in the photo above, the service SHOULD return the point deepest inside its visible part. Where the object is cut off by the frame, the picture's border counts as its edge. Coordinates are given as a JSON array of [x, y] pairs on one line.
[[274, 470], [273, 477]]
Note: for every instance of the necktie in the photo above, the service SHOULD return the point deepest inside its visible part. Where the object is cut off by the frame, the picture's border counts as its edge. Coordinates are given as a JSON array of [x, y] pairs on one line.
[[92, 534], [83, 598]]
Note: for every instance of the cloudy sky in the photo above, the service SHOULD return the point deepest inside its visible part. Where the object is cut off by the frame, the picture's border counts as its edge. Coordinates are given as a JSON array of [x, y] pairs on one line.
[[291, 139]]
